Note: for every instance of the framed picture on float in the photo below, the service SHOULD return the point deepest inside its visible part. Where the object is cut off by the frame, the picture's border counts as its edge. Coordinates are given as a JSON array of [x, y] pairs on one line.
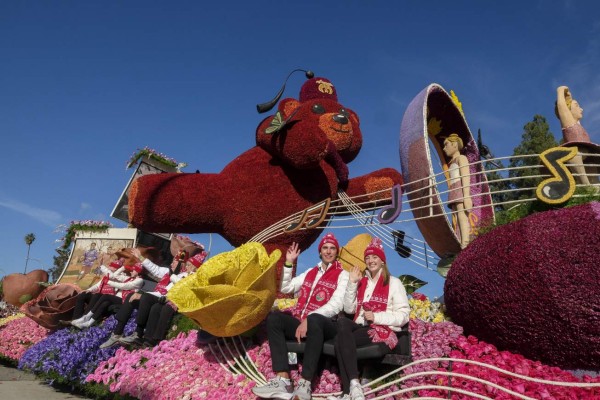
[[90, 250]]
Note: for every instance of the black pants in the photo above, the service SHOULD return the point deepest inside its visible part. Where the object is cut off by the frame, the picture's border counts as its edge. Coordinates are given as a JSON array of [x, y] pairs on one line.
[[124, 313], [159, 321], [84, 303], [100, 309], [146, 303], [350, 335], [281, 326]]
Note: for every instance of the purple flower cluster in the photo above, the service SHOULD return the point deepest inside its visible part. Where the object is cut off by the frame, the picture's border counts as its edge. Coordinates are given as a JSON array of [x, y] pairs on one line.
[[72, 355]]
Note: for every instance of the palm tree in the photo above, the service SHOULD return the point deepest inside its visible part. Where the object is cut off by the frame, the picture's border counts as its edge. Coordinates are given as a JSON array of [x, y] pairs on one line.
[[29, 239]]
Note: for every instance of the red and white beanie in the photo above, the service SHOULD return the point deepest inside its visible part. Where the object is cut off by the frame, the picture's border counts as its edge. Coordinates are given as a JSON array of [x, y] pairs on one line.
[[375, 248], [198, 259], [329, 238]]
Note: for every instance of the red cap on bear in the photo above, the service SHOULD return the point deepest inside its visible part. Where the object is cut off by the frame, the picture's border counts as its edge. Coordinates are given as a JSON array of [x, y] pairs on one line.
[[198, 259], [375, 248], [318, 88], [329, 238]]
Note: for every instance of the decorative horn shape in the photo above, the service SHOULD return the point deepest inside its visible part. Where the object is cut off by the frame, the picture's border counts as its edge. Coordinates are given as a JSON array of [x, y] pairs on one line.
[[264, 107]]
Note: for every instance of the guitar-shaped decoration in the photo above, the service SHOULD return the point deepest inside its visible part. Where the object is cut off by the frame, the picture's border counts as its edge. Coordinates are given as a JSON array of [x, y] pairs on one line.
[[561, 186]]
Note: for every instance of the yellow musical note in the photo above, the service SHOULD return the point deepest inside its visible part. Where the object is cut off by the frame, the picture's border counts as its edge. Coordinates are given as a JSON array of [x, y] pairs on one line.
[[310, 217], [561, 186]]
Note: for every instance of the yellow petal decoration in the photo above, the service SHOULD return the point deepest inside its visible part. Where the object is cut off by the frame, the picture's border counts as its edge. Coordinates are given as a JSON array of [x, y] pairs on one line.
[[352, 254], [232, 292]]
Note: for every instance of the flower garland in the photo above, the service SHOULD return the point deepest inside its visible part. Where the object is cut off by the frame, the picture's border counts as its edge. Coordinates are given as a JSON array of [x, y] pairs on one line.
[[155, 155], [84, 225]]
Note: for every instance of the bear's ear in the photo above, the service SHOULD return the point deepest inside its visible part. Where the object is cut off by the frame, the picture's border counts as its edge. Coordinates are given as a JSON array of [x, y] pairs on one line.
[[287, 107], [274, 123]]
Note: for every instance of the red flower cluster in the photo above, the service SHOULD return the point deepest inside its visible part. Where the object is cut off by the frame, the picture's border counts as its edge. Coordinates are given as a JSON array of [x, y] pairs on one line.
[[531, 287]]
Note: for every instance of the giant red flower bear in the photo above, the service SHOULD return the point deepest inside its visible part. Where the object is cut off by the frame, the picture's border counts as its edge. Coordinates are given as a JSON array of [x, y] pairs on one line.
[[300, 160]]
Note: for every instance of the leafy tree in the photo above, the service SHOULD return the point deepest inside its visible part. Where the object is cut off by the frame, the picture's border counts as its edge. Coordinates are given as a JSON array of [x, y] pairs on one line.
[[535, 139], [29, 239], [499, 186], [60, 262]]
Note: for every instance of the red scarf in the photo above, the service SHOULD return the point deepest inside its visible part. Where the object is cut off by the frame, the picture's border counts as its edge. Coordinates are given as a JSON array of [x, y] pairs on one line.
[[323, 290], [105, 288], [125, 293], [378, 303], [161, 287]]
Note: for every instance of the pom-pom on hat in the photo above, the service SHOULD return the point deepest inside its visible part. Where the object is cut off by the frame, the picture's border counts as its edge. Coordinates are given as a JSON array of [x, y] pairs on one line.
[[375, 248], [198, 259], [318, 88], [329, 238]]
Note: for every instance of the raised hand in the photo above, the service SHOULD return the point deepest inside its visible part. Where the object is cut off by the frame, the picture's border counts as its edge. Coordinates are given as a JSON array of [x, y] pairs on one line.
[[292, 253], [355, 274]]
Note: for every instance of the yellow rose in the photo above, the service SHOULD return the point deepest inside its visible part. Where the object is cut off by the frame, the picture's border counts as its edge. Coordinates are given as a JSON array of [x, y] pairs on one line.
[[231, 293]]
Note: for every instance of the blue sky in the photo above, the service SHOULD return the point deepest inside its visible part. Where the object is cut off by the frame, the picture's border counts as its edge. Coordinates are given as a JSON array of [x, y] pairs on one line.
[[85, 84]]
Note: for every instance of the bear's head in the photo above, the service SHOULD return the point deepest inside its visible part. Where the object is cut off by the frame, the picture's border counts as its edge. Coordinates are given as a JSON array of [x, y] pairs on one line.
[[303, 132]]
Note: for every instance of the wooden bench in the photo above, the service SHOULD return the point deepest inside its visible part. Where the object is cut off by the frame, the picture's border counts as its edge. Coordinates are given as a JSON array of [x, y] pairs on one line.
[[400, 355]]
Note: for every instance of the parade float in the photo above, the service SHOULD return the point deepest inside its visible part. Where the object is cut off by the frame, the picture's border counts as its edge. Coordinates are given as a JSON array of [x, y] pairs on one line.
[[520, 318]]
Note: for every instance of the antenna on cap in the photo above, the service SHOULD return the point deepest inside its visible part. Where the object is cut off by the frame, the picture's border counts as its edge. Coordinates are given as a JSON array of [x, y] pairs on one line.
[[264, 107]]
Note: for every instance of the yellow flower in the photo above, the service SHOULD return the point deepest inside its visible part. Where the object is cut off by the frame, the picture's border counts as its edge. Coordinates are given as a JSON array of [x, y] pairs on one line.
[[6, 320], [231, 293]]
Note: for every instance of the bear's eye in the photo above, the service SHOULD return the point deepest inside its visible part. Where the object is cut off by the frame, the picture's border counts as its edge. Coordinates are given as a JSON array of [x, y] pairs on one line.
[[318, 109], [344, 112]]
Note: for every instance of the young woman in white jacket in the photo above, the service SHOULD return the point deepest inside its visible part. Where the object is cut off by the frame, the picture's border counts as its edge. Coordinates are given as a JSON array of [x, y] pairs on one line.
[[380, 307]]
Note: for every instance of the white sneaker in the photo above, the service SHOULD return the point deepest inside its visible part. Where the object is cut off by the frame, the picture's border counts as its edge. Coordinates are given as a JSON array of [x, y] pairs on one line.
[[356, 392], [303, 391], [128, 339], [112, 340], [276, 388], [84, 324], [344, 397]]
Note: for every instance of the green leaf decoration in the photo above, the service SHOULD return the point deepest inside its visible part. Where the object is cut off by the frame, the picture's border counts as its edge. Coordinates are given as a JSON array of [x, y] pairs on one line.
[[25, 298], [276, 124], [411, 283]]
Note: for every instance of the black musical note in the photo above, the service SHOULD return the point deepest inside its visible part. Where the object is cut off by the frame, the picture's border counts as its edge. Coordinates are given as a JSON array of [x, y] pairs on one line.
[[389, 213], [399, 246], [561, 186], [310, 217]]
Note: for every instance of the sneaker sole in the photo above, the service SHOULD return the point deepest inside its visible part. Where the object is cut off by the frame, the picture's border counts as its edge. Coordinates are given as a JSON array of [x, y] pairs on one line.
[[280, 396]]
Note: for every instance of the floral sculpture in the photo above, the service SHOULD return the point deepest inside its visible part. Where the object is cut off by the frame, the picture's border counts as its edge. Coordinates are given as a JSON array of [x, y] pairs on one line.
[[531, 287], [56, 302], [231, 293], [18, 288], [300, 161]]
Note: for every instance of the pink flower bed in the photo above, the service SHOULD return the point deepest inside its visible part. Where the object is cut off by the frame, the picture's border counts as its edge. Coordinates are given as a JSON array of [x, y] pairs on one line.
[[180, 369], [446, 339], [17, 335], [175, 369]]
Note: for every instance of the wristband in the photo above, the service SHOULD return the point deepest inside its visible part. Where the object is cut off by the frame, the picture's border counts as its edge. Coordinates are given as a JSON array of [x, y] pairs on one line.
[[288, 265]]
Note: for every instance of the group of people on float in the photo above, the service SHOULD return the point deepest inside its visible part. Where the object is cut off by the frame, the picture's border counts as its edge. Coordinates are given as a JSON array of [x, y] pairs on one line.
[[326, 293], [121, 284]]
